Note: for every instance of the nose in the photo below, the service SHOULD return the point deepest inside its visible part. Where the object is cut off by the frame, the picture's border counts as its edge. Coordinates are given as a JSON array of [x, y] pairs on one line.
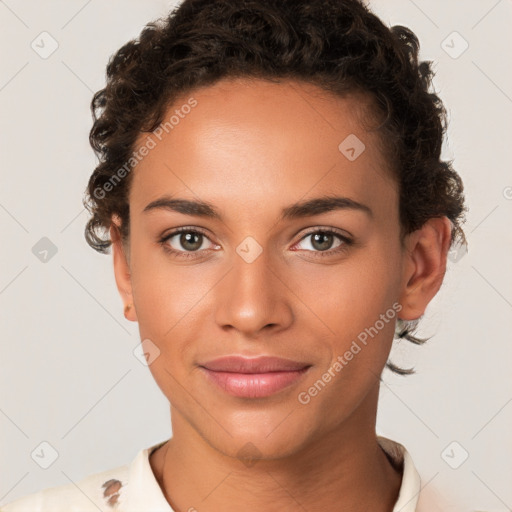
[[253, 297]]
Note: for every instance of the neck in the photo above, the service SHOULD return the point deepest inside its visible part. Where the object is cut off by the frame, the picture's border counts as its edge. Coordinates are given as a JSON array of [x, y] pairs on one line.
[[345, 469]]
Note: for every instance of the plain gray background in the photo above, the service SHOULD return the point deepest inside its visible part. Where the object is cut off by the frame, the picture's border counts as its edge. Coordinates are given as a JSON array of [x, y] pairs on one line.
[[68, 373]]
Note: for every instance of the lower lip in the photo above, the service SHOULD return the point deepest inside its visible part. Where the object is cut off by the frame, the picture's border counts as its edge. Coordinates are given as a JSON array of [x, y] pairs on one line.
[[254, 385]]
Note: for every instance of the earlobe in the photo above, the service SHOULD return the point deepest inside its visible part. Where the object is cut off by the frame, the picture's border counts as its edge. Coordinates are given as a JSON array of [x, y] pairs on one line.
[[127, 310], [122, 272], [424, 266]]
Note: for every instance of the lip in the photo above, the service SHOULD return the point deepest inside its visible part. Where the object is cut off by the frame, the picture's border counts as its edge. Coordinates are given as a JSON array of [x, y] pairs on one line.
[[253, 377], [262, 364]]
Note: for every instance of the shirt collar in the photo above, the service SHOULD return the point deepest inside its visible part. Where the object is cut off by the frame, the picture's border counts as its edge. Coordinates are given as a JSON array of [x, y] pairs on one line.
[[144, 493], [411, 483]]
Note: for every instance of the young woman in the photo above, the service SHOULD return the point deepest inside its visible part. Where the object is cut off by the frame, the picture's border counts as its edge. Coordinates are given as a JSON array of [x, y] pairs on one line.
[[271, 185]]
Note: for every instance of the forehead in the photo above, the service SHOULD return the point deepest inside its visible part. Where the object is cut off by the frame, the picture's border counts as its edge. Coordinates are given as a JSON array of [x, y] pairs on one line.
[[247, 143]]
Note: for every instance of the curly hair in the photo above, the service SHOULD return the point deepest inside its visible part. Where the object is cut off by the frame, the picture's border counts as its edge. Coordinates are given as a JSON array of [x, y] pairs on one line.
[[337, 45]]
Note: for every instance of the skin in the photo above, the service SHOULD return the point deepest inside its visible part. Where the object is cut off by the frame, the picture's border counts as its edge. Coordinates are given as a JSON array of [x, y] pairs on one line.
[[252, 148]]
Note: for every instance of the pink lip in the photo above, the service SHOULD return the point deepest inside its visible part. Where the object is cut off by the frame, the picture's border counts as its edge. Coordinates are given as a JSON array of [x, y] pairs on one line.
[[253, 377]]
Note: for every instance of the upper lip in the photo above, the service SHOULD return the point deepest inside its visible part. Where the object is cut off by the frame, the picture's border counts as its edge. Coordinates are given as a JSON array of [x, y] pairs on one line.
[[263, 364]]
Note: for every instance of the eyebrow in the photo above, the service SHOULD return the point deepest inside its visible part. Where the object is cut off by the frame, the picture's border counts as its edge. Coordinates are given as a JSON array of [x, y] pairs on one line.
[[301, 209]]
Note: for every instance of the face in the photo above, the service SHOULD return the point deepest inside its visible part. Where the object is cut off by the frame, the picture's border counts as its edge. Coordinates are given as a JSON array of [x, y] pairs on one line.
[[311, 284]]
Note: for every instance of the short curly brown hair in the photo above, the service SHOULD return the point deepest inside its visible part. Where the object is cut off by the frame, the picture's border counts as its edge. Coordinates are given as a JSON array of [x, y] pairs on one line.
[[338, 45]]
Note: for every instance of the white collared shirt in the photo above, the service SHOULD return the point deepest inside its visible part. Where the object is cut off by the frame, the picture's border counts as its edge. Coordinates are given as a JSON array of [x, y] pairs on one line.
[[134, 488]]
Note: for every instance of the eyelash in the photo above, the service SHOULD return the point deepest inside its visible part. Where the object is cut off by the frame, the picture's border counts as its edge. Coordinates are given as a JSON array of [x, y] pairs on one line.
[[347, 242]]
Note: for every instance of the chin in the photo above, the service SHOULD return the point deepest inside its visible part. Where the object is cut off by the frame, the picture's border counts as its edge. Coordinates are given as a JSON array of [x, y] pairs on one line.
[[262, 436], [250, 449]]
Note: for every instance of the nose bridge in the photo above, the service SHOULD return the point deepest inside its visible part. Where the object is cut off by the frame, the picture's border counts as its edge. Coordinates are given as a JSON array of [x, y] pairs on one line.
[[252, 296]]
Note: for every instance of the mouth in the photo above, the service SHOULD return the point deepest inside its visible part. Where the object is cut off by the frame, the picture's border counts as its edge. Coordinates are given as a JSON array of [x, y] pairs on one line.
[[253, 377]]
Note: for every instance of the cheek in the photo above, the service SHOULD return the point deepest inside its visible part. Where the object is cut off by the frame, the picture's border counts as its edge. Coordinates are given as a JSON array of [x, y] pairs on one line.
[[172, 302], [356, 303], [159, 289], [351, 293]]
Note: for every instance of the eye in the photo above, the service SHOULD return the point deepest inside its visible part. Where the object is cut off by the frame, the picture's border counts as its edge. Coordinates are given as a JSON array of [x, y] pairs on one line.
[[187, 242], [322, 241], [184, 242]]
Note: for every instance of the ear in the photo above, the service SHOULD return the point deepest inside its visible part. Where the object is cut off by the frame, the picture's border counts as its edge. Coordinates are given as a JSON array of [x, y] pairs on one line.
[[122, 272], [424, 266]]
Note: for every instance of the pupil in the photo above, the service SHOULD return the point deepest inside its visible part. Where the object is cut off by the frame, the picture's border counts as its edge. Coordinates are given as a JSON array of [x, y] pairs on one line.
[[186, 239], [323, 246]]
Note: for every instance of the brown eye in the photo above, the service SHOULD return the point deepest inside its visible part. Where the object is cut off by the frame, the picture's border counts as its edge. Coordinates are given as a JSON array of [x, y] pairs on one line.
[[190, 241], [185, 242], [323, 243]]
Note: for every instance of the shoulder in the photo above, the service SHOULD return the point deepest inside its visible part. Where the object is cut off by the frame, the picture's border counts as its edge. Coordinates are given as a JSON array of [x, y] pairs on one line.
[[431, 500], [416, 494], [103, 491]]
